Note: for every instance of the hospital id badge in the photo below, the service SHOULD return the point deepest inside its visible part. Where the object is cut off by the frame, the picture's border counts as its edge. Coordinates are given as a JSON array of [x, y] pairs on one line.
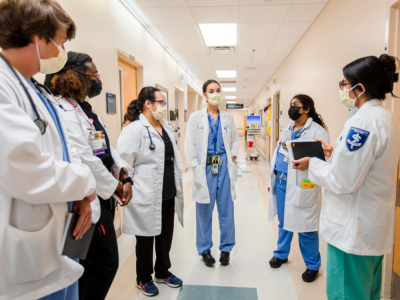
[[98, 143], [214, 169]]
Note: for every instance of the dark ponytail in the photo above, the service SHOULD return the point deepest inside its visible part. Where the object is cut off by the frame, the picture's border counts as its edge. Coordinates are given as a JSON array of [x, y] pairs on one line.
[[378, 75], [308, 103], [135, 108]]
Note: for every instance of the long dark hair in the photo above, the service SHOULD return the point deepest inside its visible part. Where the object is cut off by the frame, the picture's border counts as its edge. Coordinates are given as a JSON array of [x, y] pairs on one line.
[[70, 81], [207, 83], [308, 103], [376, 74], [135, 108]]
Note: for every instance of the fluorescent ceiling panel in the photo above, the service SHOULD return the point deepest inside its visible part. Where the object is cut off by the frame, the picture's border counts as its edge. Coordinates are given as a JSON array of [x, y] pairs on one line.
[[226, 74], [221, 34], [230, 97], [229, 89]]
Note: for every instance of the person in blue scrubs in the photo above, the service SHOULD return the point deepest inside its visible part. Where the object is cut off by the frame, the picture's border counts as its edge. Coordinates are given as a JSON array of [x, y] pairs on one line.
[[301, 110], [218, 182]]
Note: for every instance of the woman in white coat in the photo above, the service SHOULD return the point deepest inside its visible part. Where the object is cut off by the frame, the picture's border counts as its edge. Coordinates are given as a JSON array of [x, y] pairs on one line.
[[211, 147], [360, 182], [298, 209], [148, 146], [40, 174], [76, 83]]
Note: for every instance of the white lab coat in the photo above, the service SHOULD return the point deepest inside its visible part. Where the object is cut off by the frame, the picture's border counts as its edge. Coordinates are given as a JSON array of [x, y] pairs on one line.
[[358, 211], [196, 144], [302, 206], [35, 186], [142, 216], [78, 131]]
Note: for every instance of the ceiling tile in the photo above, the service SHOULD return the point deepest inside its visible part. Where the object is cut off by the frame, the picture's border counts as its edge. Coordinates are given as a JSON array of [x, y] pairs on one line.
[[253, 50], [225, 65], [229, 14], [280, 49], [278, 57], [195, 58], [309, 1], [190, 50], [258, 2], [266, 14], [200, 64], [186, 42], [232, 57], [287, 40], [169, 16], [211, 2], [178, 31], [304, 12], [259, 29], [161, 3], [294, 28], [251, 41], [244, 64], [245, 58]]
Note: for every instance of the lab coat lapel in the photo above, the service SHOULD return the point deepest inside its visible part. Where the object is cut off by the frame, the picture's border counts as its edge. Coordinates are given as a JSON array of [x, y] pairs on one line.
[[206, 130]]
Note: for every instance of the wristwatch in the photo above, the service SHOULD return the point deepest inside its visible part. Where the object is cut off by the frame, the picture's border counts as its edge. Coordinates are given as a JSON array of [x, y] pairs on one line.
[[127, 179]]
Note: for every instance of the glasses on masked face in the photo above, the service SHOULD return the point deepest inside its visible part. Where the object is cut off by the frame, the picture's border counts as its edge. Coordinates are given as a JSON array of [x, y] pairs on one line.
[[160, 102], [96, 75], [343, 84]]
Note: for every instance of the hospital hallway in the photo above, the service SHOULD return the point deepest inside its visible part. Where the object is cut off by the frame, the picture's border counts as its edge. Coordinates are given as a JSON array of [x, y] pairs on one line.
[[248, 276]]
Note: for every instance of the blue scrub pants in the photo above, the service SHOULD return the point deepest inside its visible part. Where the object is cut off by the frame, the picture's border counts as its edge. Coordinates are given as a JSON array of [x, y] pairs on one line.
[[69, 293], [219, 186], [308, 241]]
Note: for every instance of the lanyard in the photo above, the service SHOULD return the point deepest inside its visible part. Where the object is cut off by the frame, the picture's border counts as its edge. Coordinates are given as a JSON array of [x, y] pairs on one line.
[[215, 136], [82, 114]]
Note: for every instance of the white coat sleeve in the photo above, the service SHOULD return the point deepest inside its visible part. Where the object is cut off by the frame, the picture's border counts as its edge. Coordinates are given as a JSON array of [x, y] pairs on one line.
[[273, 166], [119, 164], [348, 169], [190, 143], [235, 140], [128, 145], [28, 173], [106, 183]]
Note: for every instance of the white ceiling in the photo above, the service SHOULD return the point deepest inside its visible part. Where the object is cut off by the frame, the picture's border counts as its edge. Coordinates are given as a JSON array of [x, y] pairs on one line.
[[272, 29]]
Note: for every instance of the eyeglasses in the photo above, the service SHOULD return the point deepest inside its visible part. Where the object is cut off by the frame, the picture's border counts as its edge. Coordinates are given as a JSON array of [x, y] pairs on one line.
[[97, 75], [342, 84], [161, 102]]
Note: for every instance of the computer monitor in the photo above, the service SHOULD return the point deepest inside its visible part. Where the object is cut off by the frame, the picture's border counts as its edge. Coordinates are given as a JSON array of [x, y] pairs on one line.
[[253, 120]]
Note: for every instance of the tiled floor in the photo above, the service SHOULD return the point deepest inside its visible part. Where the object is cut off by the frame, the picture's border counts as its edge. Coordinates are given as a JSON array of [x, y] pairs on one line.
[[248, 276]]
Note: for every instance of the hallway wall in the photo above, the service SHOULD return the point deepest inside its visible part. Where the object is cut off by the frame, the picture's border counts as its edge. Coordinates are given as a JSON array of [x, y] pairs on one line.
[[343, 32]]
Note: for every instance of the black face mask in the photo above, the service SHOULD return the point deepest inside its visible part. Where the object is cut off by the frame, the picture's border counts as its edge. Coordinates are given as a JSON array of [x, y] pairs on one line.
[[294, 112], [96, 88]]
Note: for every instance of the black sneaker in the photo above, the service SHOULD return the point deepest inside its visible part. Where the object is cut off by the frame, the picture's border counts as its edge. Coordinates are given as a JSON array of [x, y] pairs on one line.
[[209, 260], [224, 259], [310, 275], [276, 262]]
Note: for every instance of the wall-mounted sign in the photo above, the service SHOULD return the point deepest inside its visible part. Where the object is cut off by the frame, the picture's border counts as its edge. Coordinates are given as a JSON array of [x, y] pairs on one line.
[[132, 57], [111, 100], [234, 106]]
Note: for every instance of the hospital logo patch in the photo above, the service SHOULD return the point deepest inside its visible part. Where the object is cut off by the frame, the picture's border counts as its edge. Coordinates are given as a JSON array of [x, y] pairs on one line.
[[356, 138]]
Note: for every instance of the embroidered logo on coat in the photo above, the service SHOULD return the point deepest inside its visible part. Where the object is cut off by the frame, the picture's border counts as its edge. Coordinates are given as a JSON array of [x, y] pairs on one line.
[[356, 138]]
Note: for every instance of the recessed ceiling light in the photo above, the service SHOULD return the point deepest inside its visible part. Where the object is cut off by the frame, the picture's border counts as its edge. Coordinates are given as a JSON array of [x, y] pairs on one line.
[[231, 102], [219, 34], [230, 97], [226, 74], [229, 89]]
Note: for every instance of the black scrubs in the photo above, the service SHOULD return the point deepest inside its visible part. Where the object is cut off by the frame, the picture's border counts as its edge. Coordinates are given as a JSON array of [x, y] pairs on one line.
[[145, 244]]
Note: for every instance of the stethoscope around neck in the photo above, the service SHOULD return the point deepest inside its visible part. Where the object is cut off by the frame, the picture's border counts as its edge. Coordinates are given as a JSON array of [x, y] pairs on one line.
[[152, 145], [40, 123]]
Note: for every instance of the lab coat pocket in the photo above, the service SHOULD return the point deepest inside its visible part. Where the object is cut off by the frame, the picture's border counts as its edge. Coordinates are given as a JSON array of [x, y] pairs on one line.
[[31, 255], [336, 208], [142, 190], [235, 171], [305, 197], [199, 176]]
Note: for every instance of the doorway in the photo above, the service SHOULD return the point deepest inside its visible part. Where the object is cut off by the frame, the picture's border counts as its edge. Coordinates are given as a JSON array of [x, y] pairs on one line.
[[276, 121], [127, 84]]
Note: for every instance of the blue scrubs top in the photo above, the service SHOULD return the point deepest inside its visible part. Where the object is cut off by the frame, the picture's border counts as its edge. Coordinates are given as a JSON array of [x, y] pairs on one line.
[[220, 149], [281, 165]]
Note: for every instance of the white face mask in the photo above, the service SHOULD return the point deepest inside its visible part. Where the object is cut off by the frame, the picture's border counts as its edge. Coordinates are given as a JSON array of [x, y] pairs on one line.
[[159, 114], [345, 97], [214, 98], [54, 64]]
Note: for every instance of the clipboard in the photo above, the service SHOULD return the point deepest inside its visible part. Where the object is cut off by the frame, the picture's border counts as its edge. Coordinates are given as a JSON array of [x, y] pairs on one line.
[[305, 148]]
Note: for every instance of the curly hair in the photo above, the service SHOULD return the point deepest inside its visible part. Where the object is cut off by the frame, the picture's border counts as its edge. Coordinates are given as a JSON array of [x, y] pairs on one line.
[[308, 103], [71, 81], [135, 108]]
